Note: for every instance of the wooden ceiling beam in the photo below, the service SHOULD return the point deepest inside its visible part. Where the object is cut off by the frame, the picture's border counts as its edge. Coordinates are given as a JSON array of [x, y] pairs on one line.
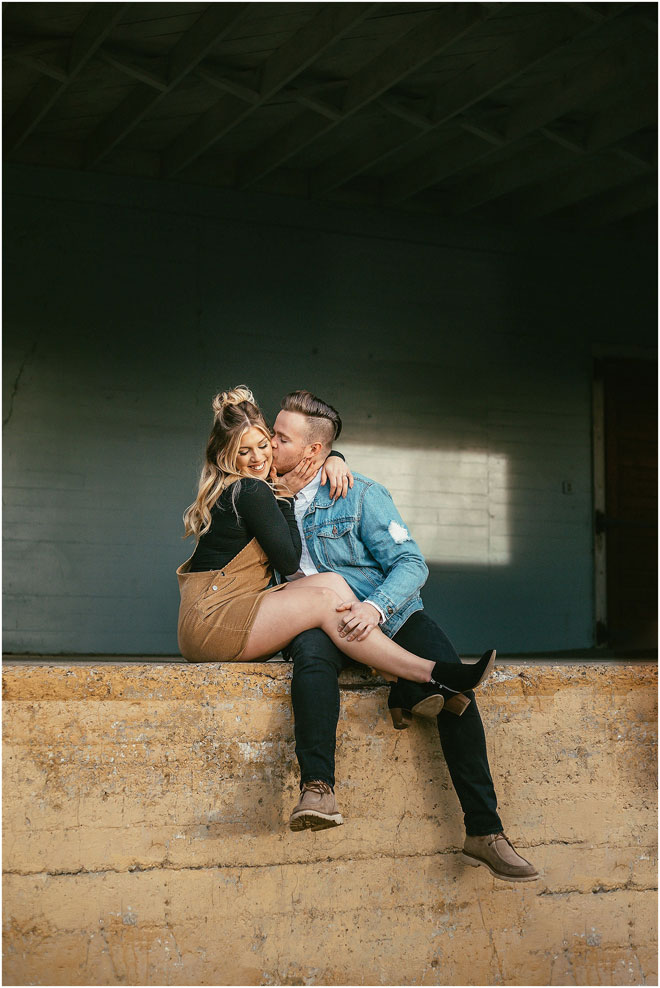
[[617, 204], [141, 69], [322, 107], [642, 147], [378, 146], [631, 112], [410, 53], [480, 129], [591, 175], [250, 94], [42, 66], [567, 135], [398, 60], [46, 58], [327, 27], [375, 145], [599, 12], [456, 154], [538, 161], [293, 57], [577, 86], [244, 88], [592, 10], [95, 28], [470, 122], [517, 55], [401, 109], [91, 34], [215, 23]]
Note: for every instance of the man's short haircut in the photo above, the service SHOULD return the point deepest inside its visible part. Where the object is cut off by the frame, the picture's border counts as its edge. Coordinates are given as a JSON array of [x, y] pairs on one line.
[[324, 423]]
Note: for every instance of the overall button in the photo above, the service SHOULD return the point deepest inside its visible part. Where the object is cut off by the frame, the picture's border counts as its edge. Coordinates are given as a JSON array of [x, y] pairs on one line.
[[390, 610]]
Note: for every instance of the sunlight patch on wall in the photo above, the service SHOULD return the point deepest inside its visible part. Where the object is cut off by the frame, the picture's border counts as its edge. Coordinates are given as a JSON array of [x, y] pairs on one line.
[[455, 502]]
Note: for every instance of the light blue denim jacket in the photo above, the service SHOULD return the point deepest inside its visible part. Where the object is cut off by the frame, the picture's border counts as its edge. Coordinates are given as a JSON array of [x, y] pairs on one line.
[[364, 539]]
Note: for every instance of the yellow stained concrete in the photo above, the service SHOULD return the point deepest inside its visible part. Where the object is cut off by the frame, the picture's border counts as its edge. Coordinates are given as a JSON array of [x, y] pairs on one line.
[[145, 811]]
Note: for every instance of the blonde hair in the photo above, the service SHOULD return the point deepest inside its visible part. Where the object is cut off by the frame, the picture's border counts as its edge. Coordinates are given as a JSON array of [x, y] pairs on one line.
[[234, 412]]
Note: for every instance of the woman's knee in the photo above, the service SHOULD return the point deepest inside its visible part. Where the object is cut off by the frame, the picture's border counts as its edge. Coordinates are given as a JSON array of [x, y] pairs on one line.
[[338, 584], [326, 600]]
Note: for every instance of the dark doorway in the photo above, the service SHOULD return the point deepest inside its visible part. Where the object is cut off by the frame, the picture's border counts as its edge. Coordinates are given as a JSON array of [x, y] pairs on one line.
[[627, 518]]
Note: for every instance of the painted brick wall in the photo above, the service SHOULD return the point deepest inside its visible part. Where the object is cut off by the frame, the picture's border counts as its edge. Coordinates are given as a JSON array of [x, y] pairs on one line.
[[460, 360]]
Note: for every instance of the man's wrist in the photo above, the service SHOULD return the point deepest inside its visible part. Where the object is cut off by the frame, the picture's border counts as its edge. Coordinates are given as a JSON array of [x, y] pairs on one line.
[[374, 605]]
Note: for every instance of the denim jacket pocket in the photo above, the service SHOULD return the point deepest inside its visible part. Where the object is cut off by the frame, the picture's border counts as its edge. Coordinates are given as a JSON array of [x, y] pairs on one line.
[[335, 544]]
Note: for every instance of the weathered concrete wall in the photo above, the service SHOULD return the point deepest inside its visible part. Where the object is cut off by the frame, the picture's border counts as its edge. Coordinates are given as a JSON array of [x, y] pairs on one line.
[[459, 358], [146, 840]]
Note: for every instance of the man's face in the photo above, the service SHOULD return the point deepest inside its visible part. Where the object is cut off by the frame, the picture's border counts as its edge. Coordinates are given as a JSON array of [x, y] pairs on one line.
[[288, 440]]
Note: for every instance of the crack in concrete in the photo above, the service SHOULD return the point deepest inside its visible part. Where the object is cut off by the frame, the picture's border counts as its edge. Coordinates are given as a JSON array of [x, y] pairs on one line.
[[489, 934], [599, 890], [17, 381], [166, 866]]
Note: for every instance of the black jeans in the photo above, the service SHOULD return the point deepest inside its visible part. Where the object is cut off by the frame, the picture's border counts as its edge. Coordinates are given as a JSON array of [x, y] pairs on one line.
[[315, 697]]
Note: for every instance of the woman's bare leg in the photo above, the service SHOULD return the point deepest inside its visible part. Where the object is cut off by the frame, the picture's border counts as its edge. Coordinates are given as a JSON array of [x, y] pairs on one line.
[[311, 603], [334, 581]]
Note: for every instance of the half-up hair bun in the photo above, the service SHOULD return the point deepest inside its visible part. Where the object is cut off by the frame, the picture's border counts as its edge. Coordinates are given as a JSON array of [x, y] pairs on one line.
[[236, 396], [234, 412]]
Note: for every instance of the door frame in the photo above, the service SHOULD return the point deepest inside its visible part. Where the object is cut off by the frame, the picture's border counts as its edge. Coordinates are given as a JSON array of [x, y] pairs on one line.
[[600, 353]]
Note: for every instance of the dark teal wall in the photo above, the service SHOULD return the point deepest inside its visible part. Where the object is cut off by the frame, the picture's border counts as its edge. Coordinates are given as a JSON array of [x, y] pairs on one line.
[[459, 359]]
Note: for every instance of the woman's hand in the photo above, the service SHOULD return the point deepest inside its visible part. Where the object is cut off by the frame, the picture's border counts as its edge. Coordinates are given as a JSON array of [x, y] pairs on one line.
[[360, 621], [337, 473], [301, 474]]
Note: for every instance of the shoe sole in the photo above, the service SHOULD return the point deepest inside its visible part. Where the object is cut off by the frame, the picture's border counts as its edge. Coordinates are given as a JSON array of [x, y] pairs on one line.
[[309, 820], [429, 707], [475, 862], [487, 671]]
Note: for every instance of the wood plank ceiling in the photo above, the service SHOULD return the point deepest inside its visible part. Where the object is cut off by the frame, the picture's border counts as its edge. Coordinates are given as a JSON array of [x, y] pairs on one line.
[[511, 113]]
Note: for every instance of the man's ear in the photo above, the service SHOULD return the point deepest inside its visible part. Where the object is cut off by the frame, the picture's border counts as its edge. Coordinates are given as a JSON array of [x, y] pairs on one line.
[[314, 450]]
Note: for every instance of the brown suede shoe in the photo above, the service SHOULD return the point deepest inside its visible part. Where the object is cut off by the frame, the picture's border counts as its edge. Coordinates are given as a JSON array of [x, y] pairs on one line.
[[317, 808], [498, 854]]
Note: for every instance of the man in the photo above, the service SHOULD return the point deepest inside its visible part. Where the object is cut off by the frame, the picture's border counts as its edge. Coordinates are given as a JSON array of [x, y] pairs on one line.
[[363, 538]]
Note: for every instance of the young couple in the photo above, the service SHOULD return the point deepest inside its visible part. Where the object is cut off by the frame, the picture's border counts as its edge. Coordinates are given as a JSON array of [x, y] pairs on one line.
[[294, 552]]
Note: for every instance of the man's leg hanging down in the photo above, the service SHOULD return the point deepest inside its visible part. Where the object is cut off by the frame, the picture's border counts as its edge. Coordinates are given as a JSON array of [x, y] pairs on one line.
[[462, 738]]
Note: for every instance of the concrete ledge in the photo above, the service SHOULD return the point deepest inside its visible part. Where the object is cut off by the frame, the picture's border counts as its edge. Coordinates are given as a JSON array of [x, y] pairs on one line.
[[146, 842]]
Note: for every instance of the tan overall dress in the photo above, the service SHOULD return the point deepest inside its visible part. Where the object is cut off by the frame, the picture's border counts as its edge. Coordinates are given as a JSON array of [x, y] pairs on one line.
[[219, 606]]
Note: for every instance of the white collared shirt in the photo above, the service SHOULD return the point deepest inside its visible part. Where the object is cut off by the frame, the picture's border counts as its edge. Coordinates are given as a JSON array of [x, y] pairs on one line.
[[301, 503]]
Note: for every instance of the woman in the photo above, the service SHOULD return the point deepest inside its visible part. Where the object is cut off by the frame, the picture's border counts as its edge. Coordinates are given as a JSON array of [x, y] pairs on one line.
[[244, 522]]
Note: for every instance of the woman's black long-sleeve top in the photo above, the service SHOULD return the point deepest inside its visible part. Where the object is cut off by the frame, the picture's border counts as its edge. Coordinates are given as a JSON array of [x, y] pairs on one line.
[[259, 514]]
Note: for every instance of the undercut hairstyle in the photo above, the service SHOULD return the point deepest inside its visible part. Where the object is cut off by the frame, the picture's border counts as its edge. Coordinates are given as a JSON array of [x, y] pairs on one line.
[[323, 421]]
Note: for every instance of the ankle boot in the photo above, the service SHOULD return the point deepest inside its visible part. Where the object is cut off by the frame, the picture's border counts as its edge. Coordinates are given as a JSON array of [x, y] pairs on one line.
[[408, 699], [464, 677]]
